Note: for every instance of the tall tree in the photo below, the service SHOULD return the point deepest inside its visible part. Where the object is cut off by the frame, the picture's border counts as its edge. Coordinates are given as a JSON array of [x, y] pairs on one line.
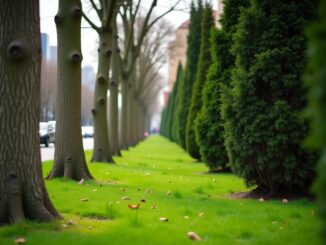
[[69, 158], [204, 62], [105, 13], [264, 130], [209, 124], [175, 119], [194, 38], [316, 79], [132, 47], [22, 190]]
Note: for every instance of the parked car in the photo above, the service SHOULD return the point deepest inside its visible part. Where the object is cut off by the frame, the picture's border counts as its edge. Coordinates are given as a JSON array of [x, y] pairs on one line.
[[47, 132], [87, 131]]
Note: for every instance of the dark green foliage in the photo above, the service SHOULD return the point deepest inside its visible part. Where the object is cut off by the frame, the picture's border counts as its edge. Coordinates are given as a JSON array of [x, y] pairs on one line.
[[209, 125], [169, 122], [196, 97], [263, 127], [194, 38], [177, 92], [316, 79]]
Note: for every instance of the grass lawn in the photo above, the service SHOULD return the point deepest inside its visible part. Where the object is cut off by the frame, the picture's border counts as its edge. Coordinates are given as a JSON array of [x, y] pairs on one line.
[[162, 175]]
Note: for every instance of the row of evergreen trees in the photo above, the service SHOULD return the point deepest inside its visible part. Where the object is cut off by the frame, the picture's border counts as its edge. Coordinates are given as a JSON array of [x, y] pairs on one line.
[[316, 80], [240, 99]]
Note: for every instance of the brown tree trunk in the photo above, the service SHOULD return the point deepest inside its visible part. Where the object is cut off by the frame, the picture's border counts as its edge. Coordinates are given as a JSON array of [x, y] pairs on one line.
[[124, 114], [69, 158], [102, 149], [114, 92], [22, 190]]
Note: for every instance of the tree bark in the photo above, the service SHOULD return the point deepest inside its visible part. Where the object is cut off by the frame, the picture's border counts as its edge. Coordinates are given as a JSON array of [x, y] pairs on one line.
[[102, 149], [124, 114], [69, 158], [114, 91], [22, 190]]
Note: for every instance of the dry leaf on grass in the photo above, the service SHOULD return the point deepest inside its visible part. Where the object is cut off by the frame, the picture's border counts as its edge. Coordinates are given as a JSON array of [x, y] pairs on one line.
[[261, 199], [84, 199], [201, 215], [81, 181], [163, 219], [193, 236], [125, 198], [285, 201], [134, 206], [20, 240]]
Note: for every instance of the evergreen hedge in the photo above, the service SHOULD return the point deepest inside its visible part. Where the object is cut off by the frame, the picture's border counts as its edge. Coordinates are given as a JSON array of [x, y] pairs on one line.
[[194, 40], [316, 79], [204, 62], [209, 124], [264, 128]]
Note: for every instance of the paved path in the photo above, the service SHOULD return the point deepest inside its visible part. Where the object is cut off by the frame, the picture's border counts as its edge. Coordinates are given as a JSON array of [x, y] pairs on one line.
[[47, 153]]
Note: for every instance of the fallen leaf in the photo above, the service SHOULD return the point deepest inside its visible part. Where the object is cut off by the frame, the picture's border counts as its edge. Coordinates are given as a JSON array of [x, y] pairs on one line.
[[81, 181], [20, 240], [285, 201], [84, 200], [94, 190], [71, 222], [193, 236], [163, 219], [201, 215], [64, 226], [261, 199], [134, 206], [154, 206], [125, 198]]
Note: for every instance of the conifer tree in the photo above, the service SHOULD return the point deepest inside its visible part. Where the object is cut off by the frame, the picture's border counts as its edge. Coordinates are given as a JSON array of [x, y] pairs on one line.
[[263, 127], [194, 38], [209, 125], [316, 79], [204, 62], [175, 123]]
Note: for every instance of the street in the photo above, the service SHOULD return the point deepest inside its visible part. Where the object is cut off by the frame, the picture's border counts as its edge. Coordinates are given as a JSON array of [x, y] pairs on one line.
[[47, 153]]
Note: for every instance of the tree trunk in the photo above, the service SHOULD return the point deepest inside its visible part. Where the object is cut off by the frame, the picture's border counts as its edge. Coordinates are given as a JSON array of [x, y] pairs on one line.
[[124, 114], [69, 158], [22, 190], [114, 92], [102, 150]]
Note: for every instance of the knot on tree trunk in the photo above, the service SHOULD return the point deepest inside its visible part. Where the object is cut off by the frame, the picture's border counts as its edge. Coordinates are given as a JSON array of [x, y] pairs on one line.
[[58, 20], [75, 57], [77, 13], [16, 50], [101, 100], [108, 53], [101, 79]]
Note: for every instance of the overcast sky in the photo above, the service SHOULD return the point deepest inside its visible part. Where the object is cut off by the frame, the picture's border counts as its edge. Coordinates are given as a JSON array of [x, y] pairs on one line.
[[49, 8]]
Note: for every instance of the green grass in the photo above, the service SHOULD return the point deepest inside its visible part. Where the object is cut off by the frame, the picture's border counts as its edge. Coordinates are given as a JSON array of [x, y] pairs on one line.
[[160, 173]]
